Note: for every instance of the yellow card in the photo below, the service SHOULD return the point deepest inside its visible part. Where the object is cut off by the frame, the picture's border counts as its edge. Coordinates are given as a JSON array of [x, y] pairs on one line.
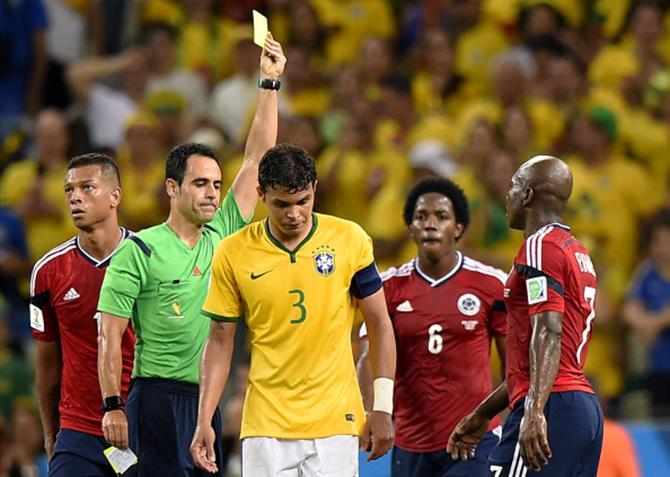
[[260, 28]]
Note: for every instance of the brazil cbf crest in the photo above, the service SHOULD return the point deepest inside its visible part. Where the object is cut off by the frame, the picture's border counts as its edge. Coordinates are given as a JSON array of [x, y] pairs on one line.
[[324, 260]]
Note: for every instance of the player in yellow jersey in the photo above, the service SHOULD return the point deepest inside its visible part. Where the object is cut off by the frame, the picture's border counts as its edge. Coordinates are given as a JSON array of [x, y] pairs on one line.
[[297, 277]]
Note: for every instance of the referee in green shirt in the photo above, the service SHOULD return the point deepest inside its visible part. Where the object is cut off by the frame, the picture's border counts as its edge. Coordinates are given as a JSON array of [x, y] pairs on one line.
[[159, 279]]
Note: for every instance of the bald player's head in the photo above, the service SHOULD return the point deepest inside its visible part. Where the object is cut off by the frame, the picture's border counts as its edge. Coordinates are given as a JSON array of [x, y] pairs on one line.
[[540, 187]]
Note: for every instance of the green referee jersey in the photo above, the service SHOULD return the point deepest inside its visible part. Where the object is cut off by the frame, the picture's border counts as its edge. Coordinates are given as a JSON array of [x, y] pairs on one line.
[[161, 284]]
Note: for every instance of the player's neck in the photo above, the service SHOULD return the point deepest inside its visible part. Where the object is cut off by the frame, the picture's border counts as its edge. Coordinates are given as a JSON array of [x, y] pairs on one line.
[[438, 267], [186, 231], [100, 242], [290, 242], [533, 224]]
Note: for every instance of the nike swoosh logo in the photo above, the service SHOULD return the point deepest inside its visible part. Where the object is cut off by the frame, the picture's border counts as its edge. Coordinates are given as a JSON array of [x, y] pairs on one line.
[[254, 277]]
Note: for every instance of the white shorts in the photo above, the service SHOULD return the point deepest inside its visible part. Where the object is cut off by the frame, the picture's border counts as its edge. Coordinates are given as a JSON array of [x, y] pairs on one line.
[[335, 456]]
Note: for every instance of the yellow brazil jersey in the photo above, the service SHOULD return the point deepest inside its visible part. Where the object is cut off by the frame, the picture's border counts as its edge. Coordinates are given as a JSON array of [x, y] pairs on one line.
[[299, 306]]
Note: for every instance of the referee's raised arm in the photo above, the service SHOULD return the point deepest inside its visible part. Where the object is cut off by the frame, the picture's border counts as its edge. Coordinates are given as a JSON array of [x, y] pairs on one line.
[[263, 133]]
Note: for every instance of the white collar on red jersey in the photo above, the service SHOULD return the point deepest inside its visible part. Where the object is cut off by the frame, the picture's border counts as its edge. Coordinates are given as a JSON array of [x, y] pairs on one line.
[[441, 280]]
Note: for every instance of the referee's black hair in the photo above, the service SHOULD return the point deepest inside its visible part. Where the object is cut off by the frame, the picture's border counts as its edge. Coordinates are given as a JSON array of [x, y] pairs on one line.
[[175, 167], [288, 167], [442, 186], [108, 166]]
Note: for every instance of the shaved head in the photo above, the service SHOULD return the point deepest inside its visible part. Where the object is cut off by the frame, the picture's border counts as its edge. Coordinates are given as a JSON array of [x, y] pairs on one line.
[[548, 175], [539, 192]]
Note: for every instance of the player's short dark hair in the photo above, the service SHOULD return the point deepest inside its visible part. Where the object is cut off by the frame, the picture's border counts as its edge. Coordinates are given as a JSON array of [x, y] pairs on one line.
[[108, 166], [175, 167], [286, 166], [442, 186]]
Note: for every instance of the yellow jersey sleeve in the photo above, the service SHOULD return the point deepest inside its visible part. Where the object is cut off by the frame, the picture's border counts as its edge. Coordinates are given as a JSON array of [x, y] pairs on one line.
[[223, 301]]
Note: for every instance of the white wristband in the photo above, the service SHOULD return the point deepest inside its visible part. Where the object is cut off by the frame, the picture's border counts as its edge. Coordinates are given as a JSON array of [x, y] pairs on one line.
[[383, 397]]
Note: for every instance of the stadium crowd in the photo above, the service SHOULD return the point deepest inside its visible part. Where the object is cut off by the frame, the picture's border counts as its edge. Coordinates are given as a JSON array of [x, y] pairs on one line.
[[382, 93]]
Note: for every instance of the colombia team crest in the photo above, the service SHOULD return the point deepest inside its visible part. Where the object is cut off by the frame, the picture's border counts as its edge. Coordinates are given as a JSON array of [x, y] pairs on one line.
[[324, 260]]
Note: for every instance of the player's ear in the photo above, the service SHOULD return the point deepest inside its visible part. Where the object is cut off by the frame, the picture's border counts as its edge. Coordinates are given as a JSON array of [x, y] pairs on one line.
[[116, 194], [261, 194], [314, 186], [459, 231], [528, 195]]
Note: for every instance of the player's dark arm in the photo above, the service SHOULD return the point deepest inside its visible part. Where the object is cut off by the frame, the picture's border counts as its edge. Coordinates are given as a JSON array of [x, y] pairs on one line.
[[214, 371], [378, 426], [48, 375], [544, 357], [110, 367], [467, 433], [263, 132], [364, 372]]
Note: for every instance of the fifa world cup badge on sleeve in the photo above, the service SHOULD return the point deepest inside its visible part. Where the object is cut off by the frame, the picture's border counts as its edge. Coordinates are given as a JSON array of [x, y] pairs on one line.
[[536, 289]]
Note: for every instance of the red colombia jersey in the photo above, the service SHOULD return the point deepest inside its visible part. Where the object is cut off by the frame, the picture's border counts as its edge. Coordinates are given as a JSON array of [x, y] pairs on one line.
[[552, 272], [64, 289], [443, 331]]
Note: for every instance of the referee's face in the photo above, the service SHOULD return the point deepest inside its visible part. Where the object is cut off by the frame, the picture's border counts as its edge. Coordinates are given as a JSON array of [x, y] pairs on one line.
[[197, 199]]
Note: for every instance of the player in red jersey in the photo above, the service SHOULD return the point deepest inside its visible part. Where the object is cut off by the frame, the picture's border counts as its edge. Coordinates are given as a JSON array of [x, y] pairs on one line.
[[64, 288], [556, 424], [445, 308]]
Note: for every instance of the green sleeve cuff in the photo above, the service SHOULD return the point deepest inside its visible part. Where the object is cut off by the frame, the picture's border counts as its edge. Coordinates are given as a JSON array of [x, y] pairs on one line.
[[214, 316]]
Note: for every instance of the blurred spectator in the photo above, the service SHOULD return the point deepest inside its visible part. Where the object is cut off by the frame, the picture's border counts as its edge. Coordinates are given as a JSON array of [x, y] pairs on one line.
[[609, 199], [23, 62], [517, 134], [351, 22], [158, 40], [307, 31], [107, 108], [302, 94], [647, 311], [232, 101], [346, 91], [490, 238], [436, 85], [71, 25], [14, 266], [347, 167], [639, 47], [375, 62], [400, 126], [16, 377], [34, 188], [169, 107], [26, 456], [478, 47], [142, 171]]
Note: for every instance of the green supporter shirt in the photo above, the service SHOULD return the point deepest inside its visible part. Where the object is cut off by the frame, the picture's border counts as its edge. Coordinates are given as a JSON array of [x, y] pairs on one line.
[[161, 283]]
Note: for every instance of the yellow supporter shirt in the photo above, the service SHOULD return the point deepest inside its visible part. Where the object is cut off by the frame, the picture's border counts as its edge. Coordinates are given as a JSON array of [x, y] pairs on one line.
[[350, 198], [43, 234], [606, 203], [476, 49], [299, 307], [352, 22], [427, 99]]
